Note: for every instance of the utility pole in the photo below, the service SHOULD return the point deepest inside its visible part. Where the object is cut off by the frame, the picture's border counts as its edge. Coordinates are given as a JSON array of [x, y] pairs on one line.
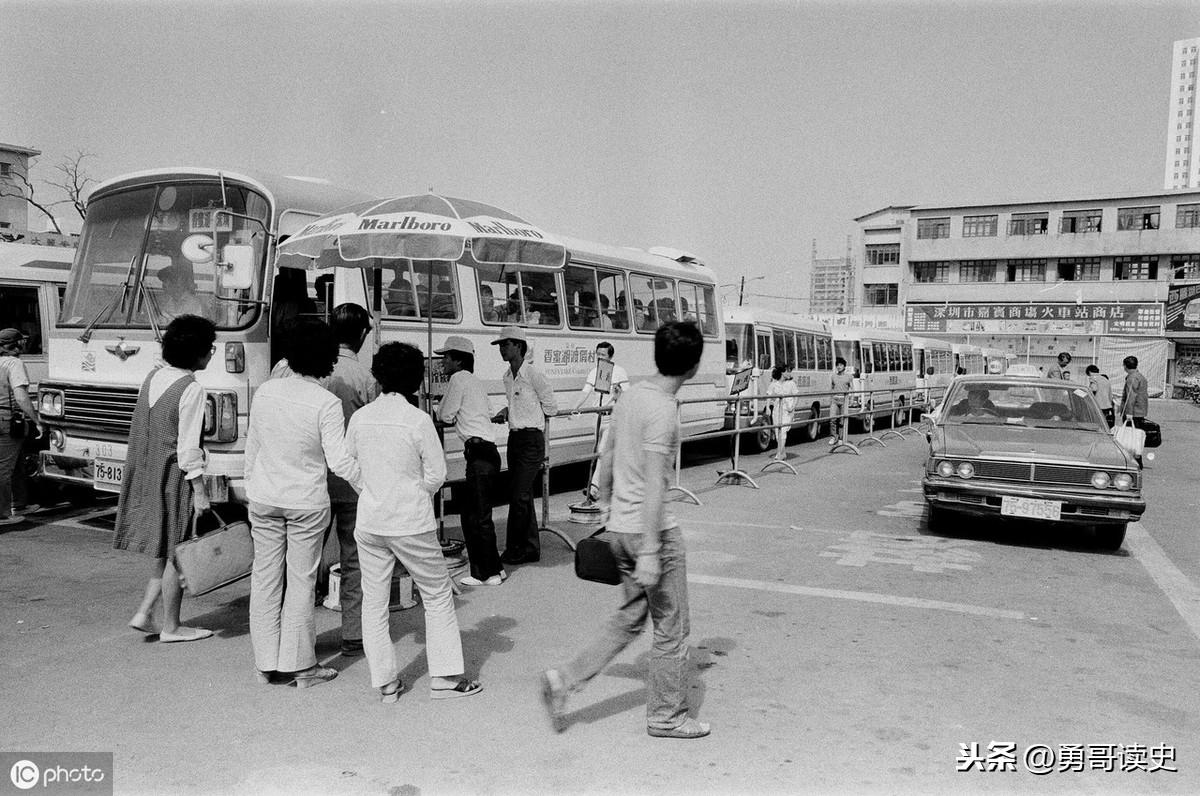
[[742, 291]]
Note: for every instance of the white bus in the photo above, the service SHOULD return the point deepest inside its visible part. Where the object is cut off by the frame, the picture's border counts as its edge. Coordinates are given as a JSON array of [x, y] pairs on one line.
[[761, 340], [32, 281], [881, 361], [968, 358], [106, 338], [933, 361]]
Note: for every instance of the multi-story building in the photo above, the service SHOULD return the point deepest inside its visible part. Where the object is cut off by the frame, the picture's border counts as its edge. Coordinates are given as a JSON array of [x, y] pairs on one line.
[[832, 285], [1182, 168], [1097, 277], [14, 210]]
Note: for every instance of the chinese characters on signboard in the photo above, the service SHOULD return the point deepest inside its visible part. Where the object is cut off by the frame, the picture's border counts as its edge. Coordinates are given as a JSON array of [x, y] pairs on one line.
[[1183, 308], [1027, 318]]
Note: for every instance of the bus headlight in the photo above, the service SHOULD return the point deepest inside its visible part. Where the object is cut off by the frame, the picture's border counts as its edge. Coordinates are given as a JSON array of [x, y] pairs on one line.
[[945, 469], [220, 417], [50, 403], [1100, 480], [1123, 481]]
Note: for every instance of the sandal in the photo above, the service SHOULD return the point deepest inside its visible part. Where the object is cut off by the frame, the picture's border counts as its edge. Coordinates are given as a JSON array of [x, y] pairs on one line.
[[689, 729], [314, 675], [390, 693], [462, 688]]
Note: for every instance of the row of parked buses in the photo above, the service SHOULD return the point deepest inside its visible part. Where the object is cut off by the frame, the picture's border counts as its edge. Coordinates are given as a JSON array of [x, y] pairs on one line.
[[892, 373]]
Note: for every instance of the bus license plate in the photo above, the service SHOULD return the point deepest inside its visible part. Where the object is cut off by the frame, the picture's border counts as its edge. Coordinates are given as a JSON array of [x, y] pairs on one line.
[[1031, 508], [107, 474]]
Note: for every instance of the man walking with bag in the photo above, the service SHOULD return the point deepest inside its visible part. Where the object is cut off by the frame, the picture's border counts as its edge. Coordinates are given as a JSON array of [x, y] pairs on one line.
[[635, 471], [1135, 396]]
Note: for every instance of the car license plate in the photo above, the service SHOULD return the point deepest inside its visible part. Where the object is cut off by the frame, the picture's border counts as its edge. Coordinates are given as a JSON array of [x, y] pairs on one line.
[[1031, 507], [107, 474]]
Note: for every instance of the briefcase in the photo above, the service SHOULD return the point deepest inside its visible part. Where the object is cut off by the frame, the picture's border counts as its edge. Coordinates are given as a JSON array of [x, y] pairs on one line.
[[594, 560], [1153, 433], [222, 556]]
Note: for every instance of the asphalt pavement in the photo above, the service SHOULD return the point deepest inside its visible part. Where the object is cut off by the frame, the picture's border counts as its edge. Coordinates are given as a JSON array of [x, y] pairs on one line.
[[837, 647]]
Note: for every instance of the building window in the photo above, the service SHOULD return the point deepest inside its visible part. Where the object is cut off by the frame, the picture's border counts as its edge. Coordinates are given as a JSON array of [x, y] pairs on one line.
[[1185, 266], [979, 227], [1187, 216], [1026, 270], [977, 271], [1140, 268], [931, 272], [1028, 224], [883, 254], [1077, 221], [933, 227], [1137, 218], [1079, 269], [885, 294], [5, 169]]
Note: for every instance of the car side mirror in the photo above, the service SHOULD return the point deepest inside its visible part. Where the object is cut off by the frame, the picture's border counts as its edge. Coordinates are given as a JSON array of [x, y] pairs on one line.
[[235, 271]]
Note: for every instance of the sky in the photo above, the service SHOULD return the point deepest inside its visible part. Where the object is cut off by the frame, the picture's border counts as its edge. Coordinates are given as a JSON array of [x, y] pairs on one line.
[[739, 131]]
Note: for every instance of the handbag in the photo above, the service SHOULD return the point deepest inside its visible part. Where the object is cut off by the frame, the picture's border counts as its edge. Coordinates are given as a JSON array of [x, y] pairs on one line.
[[1153, 433], [594, 559], [217, 558], [1130, 437], [16, 418]]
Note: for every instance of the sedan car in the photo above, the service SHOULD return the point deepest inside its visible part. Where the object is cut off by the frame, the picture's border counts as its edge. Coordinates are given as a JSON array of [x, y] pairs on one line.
[[1029, 448]]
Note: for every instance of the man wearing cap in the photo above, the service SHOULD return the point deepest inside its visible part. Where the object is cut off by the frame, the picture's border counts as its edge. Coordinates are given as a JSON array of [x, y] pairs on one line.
[[14, 403], [530, 401], [465, 406]]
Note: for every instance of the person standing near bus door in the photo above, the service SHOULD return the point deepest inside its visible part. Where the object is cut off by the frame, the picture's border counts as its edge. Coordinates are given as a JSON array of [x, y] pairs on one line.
[[1103, 392], [530, 402], [647, 543], [840, 383], [465, 406], [355, 387], [619, 382]]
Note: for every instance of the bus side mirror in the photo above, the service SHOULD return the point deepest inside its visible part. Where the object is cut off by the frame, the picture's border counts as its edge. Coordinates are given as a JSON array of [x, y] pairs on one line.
[[236, 268]]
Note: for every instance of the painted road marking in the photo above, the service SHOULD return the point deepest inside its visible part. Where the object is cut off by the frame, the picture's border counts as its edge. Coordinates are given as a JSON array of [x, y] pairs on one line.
[[857, 596], [911, 509], [923, 553], [1182, 593]]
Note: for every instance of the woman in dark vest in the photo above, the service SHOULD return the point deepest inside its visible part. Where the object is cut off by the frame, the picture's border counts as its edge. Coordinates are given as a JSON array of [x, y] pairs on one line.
[[162, 491]]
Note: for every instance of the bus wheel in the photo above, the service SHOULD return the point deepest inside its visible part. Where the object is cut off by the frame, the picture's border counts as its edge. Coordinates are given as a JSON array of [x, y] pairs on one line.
[[866, 421], [760, 436], [900, 415], [813, 429]]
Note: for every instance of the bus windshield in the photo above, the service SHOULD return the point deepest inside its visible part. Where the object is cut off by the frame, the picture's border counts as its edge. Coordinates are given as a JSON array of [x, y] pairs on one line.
[[146, 256]]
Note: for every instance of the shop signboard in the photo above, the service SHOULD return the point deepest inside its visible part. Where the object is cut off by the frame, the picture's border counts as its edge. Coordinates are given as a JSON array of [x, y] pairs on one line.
[[1015, 317], [1183, 308]]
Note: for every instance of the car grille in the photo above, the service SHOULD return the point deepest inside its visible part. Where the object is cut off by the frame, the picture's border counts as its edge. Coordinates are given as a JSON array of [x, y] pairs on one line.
[[1028, 473], [1003, 471], [1056, 474], [105, 408]]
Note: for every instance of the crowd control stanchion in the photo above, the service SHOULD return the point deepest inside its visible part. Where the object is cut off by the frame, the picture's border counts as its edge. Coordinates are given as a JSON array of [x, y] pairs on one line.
[[678, 486], [841, 443], [893, 430], [589, 512], [736, 471], [545, 526], [870, 398], [781, 431]]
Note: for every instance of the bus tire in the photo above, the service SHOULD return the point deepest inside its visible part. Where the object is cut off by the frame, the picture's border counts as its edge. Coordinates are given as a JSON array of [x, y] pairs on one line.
[[812, 429], [866, 421], [900, 414], [759, 437]]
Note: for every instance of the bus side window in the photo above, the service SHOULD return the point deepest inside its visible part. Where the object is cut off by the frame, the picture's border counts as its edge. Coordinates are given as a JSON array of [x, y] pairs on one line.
[[868, 365], [21, 312], [583, 306], [612, 298]]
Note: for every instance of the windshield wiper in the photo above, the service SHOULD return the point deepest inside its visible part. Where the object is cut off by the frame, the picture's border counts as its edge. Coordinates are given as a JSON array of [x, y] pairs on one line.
[[119, 299]]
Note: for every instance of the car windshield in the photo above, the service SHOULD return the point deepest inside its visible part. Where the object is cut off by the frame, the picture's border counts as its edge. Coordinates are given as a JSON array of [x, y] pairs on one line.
[[1023, 404]]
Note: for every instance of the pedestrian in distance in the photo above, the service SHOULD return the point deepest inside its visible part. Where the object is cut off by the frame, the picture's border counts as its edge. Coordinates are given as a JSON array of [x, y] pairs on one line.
[[355, 387], [465, 406], [162, 488], [530, 402], [1102, 390], [15, 406], [635, 470], [1062, 367], [840, 383], [403, 466], [618, 382], [1135, 396], [782, 407], [296, 436]]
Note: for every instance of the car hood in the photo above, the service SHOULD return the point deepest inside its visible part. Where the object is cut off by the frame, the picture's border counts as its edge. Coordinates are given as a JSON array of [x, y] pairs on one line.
[[1021, 443]]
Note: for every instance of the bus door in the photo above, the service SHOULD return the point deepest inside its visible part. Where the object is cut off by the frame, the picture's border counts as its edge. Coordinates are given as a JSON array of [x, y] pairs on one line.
[[763, 363]]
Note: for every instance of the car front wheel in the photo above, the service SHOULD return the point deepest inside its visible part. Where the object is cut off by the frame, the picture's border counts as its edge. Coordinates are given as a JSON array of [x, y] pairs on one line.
[[938, 519], [1111, 537]]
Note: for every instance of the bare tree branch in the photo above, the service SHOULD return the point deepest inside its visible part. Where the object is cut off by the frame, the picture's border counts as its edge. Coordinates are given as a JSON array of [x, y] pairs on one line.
[[74, 180], [27, 193]]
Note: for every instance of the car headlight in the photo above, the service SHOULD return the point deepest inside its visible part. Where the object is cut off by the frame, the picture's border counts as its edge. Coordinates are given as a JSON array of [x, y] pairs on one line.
[[1123, 481], [1100, 480], [945, 469], [965, 470], [50, 403]]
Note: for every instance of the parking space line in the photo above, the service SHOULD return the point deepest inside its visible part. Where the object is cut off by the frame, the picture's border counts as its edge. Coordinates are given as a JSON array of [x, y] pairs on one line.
[[1182, 593], [858, 596]]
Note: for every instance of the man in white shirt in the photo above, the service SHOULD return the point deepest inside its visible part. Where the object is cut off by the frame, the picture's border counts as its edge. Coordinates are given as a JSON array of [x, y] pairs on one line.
[[618, 382], [530, 402], [465, 406]]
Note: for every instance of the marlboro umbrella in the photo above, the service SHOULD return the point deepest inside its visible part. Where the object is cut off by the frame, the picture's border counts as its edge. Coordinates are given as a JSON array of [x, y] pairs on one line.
[[423, 228]]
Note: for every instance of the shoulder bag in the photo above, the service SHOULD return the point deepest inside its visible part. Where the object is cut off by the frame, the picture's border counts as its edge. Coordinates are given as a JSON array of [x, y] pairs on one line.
[[217, 558], [594, 559]]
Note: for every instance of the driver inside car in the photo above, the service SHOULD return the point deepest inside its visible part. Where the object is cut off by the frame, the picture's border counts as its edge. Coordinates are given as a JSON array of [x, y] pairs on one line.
[[976, 404]]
